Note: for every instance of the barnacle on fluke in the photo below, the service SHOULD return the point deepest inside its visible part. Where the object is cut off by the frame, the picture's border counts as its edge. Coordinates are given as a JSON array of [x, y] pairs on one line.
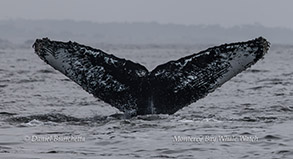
[[134, 90]]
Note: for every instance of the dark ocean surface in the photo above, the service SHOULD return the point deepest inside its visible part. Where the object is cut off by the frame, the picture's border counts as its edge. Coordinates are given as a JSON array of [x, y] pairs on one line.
[[44, 115]]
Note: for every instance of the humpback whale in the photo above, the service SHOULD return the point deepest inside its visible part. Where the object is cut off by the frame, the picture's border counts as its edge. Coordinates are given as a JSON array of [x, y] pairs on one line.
[[134, 90]]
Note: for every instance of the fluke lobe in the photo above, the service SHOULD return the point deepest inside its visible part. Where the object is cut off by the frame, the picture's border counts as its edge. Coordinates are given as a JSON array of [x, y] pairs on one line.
[[134, 90]]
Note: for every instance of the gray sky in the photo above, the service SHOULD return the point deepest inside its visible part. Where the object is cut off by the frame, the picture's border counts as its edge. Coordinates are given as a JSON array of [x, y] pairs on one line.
[[227, 13]]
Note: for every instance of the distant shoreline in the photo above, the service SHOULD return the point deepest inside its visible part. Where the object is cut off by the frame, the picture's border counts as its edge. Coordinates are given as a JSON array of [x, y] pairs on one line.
[[20, 30]]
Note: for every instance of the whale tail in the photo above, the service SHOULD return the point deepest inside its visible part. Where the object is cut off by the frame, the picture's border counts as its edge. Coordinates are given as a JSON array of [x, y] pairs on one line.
[[134, 90]]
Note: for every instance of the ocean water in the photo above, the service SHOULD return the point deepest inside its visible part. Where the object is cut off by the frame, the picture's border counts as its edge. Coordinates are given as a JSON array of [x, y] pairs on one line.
[[44, 115]]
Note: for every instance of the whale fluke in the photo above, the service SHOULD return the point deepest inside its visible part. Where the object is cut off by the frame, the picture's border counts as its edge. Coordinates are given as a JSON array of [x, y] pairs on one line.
[[132, 89]]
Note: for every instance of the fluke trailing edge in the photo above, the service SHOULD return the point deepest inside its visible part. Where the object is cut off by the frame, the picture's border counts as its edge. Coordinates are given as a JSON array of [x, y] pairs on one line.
[[134, 90]]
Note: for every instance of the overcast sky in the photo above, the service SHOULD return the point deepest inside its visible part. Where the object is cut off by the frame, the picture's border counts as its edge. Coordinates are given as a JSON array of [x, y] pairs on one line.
[[272, 13]]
